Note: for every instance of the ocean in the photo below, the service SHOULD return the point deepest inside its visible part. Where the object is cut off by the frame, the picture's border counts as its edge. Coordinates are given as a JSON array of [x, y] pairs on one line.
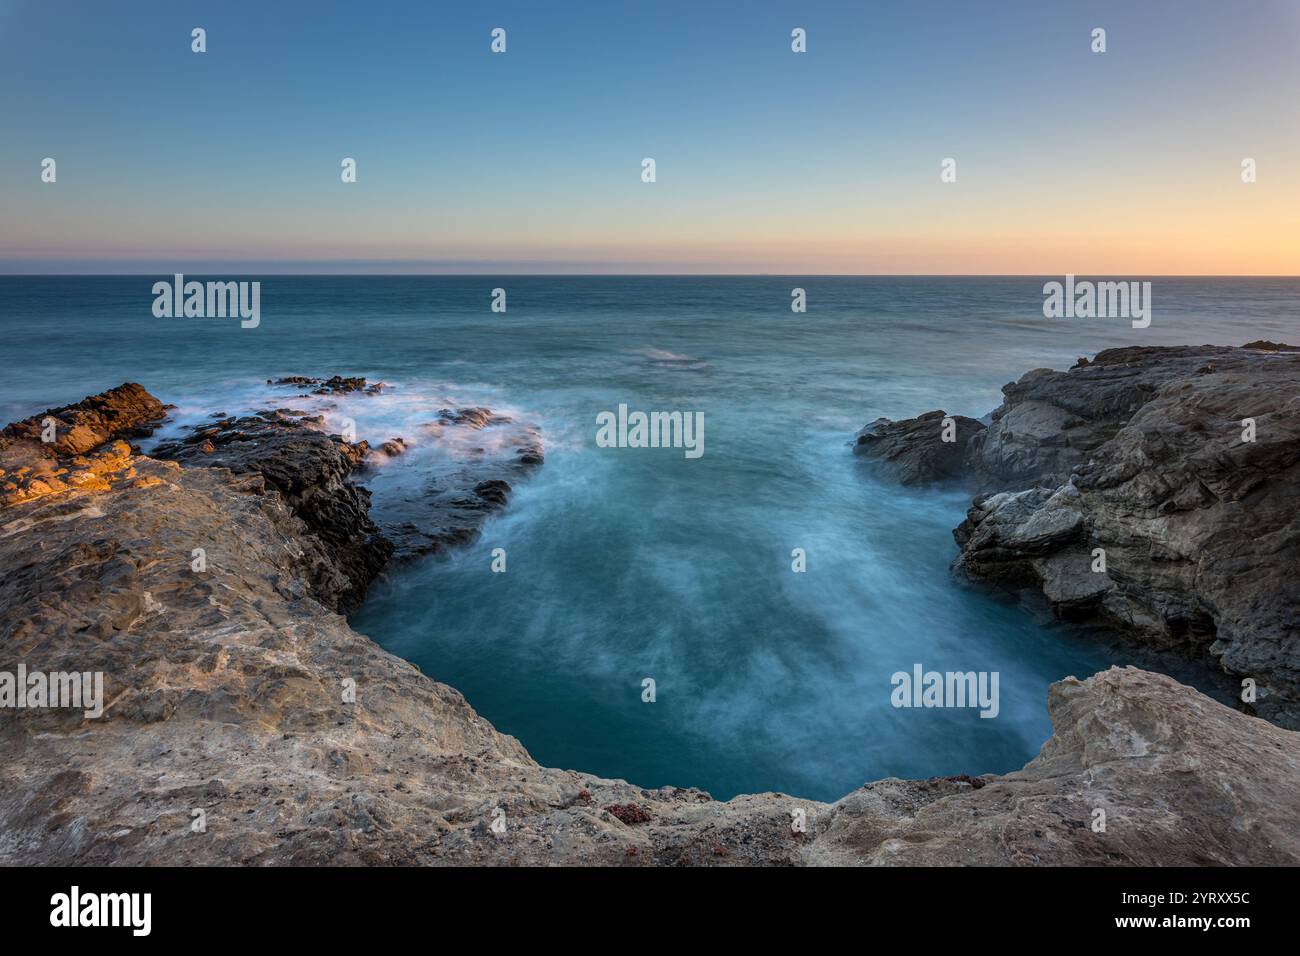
[[628, 564]]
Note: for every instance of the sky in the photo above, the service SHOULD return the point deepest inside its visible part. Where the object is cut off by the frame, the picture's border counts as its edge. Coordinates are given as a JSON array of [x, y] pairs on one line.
[[1126, 162]]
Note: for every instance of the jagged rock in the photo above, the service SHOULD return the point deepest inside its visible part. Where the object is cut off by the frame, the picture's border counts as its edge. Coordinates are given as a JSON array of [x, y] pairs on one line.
[[448, 512], [93, 472], [474, 417], [127, 411], [1052, 422], [913, 452], [449, 508], [1141, 454], [336, 385], [311, 469], [1034, 537]]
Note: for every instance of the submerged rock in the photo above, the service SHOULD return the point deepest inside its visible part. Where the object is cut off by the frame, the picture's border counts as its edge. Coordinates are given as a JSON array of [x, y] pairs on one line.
[[475, 417], [448, 508], [335, 385]]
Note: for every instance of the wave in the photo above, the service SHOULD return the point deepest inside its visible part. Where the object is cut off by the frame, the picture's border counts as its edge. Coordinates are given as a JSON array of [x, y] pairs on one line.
[[661, 358]]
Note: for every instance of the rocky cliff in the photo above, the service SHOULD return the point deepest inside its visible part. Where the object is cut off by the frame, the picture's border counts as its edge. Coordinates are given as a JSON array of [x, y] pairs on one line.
[[246, 723], [1155, 491]]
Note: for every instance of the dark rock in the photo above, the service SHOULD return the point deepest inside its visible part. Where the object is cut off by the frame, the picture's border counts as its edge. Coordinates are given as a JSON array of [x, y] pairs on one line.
[[1265, 346], [449, 508], [336, 385], [913, 451], [1050, 421], [493, 493], [311, 469], [447, 512], [1125, 493]]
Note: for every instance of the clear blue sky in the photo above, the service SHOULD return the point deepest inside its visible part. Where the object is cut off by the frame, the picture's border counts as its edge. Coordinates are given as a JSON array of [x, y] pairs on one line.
[[767, 160]]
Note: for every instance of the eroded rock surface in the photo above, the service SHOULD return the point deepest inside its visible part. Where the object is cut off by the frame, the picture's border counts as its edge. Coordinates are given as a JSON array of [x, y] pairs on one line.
[[312, 471]]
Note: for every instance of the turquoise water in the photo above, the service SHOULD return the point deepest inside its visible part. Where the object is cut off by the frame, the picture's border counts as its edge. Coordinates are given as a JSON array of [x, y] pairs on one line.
[[626, 564]]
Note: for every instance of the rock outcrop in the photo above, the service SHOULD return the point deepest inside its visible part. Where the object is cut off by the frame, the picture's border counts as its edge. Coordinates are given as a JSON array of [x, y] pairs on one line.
[[447, 509], [1162, 763], [1155, 491], [127, 411], [322, 478], [925, 450], [76, 447], [1052, 422], [335, 385], [246, 723], [312, 472]]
